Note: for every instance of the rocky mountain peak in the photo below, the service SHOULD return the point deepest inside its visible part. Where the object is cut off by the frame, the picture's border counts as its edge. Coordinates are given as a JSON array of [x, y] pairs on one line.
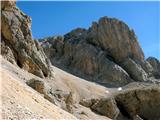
[[107, 53], [115, 37]]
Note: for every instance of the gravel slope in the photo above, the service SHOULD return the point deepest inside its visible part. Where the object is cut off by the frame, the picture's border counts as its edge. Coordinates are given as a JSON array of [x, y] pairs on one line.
[[20, 102]]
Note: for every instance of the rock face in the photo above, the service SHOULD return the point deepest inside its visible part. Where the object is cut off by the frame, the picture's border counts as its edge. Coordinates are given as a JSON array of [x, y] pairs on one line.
[[135, 70], [140, 101], [116, 38], [135, 102], [106, 107], [17, 44], [107, 53], [156, 66]]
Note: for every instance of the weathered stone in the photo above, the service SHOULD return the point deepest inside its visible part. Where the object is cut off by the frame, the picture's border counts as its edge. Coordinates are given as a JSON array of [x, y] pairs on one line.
[[6, 5], [140, 101], [7, 53], [18, 46], [156, 66], [134, 70], [134, 102], [147, 68], [86, 102], [38, 85], [106, 107], [116, 38]]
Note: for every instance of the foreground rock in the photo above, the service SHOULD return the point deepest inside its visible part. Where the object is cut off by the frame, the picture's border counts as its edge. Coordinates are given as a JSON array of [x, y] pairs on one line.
[[17, 45], [107, 53], [135, 101], [140, 101]]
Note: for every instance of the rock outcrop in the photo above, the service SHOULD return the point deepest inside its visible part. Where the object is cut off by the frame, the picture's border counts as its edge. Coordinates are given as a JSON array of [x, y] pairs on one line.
[[140, 101], [135, 101], [116, 38], [17, 45], [155, 65], [107, 53]]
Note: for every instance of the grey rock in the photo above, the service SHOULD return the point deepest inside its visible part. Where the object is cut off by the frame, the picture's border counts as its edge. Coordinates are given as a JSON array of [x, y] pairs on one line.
[[134, 70], [155, 63], [100, 54]]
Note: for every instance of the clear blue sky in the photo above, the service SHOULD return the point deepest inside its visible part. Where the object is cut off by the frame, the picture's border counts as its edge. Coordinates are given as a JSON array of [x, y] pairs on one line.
[[57, 18]]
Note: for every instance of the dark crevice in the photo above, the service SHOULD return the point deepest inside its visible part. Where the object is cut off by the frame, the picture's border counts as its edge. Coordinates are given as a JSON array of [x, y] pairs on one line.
[[89, 41], [143, 118], [109, 57], [123, 110], [156, 75], [45, 75], [19, 64]]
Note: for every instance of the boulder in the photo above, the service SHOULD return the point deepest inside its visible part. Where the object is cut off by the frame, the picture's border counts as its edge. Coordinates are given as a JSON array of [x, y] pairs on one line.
[[36, 84], [106, 107]]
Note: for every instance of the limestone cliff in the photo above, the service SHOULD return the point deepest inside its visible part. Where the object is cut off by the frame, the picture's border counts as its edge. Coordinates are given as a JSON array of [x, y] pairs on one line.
[[17, 45], [107, 53]]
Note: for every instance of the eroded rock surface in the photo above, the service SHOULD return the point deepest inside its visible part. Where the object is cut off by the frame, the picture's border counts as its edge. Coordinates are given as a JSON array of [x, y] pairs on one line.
[[141, 101], [138, 101], [17, 44], [155, 63], [107, 53]]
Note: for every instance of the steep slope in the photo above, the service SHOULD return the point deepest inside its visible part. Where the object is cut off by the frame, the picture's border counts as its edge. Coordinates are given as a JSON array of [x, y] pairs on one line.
[[21, 102], [57, 91], [88, 101], [17, 45], [107, 53]]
